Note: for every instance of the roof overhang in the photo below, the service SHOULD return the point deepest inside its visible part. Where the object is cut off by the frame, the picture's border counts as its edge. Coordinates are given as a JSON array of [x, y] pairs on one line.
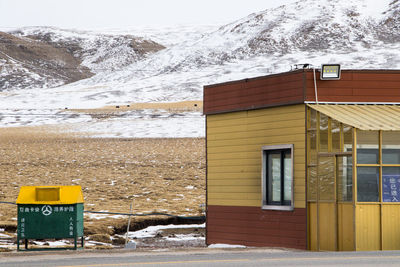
[[363, 117]]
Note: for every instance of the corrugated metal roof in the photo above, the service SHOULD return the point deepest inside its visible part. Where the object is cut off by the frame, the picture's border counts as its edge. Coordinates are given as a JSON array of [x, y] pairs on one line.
[[364, 117]]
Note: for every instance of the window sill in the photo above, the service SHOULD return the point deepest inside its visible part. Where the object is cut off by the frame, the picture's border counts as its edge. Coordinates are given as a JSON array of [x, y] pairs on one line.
[[281, 208]]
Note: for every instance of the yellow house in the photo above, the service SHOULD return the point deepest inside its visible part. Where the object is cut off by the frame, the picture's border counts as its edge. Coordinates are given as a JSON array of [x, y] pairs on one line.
[[297, 161]]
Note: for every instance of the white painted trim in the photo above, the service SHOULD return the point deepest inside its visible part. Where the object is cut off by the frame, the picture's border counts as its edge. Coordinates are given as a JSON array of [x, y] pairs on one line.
[[284, 208], [353, 103], [264, 206]]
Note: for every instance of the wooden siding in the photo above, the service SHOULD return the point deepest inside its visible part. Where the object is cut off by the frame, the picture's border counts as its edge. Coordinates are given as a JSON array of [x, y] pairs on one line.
[[390, 227], [252, 226], [378, 226], [356, 86], [368, 225], [234, 143], [345, 226], [272, 90]]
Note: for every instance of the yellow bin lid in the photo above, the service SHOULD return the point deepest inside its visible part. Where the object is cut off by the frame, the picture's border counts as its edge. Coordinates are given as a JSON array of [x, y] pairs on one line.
[[64, 194]]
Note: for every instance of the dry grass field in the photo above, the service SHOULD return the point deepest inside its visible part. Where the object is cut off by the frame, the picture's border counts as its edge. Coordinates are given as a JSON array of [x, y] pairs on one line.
[[164, 175]]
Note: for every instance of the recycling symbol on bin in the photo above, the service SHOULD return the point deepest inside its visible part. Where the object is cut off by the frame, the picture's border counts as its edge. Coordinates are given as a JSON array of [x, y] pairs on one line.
[[46, 210]]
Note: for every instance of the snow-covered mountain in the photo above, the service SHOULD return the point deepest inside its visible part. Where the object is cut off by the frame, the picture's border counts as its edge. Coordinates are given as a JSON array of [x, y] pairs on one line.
[[43, 57], [355, 33]]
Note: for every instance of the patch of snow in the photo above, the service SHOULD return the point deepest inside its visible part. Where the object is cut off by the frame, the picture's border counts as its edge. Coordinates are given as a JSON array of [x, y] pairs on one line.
[[98, 216], [131, 124], [151, 231], [225, 246], [94, 243], [189, 124], [167, 36], [34, 117], [373, 8], [181, 237], [51, 243]]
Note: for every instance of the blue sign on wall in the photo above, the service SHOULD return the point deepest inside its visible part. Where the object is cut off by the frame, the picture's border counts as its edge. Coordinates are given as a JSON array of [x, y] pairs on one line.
[[391, 188]]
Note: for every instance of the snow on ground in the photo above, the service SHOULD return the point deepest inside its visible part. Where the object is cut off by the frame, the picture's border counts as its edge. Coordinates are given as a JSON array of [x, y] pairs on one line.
[[99, 216], [129, 124], [8, 243], [58, 243], [168, 35], [182, 237], [148, 237], [225, 246], [152, 231], [189, 124], [34, 117]]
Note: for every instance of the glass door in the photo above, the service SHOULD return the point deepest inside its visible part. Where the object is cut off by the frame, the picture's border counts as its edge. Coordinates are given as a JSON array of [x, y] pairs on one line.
[[326, 204], [335, 203]]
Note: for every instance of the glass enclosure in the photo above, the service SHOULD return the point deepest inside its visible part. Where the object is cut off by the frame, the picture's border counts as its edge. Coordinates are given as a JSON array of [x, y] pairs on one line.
[[378, 166], [353, 186], [330, 162], [329, 159], [329, 183]]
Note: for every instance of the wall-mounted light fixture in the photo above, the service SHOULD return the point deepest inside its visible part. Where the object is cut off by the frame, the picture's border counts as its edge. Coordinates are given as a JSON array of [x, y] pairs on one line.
[[330, 72]]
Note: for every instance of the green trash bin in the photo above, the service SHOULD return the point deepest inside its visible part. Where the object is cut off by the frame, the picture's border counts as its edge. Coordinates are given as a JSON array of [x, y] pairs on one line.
[[50, 212]]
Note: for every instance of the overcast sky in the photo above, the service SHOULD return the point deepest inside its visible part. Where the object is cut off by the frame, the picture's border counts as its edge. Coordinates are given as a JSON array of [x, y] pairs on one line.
[[126, 13]]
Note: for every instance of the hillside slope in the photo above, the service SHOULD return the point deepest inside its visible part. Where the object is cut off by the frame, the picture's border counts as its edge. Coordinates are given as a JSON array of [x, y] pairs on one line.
[[356, 33], [40, 57], [27, 63]]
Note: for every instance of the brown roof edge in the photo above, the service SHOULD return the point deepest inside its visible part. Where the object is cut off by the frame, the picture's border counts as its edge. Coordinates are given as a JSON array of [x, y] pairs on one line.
[[255, 78], [299, 71], [303, 75]]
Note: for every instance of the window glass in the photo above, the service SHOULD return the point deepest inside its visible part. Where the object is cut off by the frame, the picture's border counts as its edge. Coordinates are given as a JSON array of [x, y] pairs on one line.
[[312, 120], [335, 129], [345, 178], [347, 138], [274, 167], [323, 133], [312, 137], [312, 183], [326, 176], [287, 193], [391, 184], [367, 147], [390, 147], [367, 184], [278, 177], [312, 140]]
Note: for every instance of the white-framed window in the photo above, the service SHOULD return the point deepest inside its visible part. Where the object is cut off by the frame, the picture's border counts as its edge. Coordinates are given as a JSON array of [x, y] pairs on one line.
[[277, 177]]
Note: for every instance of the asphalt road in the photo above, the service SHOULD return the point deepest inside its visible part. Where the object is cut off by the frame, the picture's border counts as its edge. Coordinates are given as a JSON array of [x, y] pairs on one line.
[[204, 257]]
